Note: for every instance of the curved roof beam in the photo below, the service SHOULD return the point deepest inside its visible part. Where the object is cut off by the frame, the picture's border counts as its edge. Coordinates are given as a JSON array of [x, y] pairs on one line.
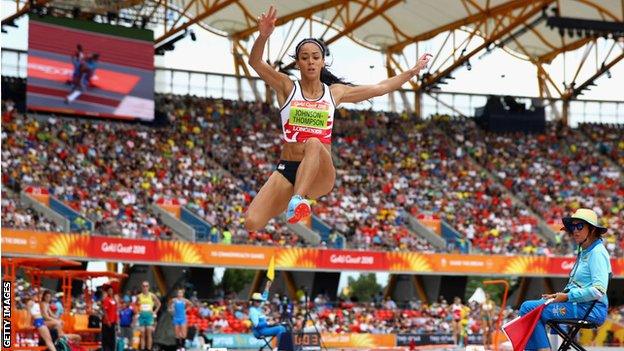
[[307, 12], [209, 9], [358, 23], [497, 10], [548, 57]]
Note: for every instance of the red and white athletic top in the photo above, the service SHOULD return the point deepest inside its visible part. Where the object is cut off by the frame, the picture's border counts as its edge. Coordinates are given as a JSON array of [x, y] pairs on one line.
[[303, 119]]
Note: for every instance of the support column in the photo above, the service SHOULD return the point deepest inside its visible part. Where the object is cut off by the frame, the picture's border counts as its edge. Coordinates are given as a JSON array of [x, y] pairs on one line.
[[548, 286], [111, 267], [392, 282], [160, 279], [522, 290], [291, 286], [565, 112], [268, 95], [419, 286], [418, 96]]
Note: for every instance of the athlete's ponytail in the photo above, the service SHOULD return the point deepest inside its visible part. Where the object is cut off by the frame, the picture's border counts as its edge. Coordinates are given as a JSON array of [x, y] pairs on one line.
[[326, 76], [329, 78]]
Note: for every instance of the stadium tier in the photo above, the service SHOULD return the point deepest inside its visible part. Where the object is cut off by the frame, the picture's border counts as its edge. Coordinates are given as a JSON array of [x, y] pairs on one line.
[[216, 153]]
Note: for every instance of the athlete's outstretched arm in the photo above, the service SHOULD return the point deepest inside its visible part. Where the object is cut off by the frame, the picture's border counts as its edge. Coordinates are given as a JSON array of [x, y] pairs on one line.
[[345, 93], [276, 80]]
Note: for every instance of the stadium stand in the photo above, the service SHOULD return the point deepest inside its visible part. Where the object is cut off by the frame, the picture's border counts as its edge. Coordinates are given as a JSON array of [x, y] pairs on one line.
[[215, 154], [554, 173]]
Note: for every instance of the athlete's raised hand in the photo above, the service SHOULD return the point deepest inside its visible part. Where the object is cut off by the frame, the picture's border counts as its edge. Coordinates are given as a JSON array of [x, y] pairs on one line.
[[422, 63], [266, 22]]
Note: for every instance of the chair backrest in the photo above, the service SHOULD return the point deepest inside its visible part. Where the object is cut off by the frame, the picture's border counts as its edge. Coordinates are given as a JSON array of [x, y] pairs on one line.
[[594, 302], [23, 319], [81, 322], [68, 322]]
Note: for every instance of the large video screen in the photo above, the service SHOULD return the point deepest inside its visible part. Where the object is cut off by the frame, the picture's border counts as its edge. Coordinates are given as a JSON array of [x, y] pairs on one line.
[[90, 69]]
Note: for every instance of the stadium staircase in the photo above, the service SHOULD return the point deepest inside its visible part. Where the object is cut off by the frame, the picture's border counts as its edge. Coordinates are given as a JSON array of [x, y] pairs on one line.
[[415, 226], [325, 230], [77, 222], [41, 207], [179, 227]]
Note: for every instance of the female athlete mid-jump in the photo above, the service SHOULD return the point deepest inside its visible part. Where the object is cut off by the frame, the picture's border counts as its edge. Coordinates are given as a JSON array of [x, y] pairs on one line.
[[307, 109]]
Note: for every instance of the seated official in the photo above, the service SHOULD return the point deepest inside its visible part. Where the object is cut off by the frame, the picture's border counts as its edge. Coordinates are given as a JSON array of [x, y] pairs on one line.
[[260, 327], [588, 281]]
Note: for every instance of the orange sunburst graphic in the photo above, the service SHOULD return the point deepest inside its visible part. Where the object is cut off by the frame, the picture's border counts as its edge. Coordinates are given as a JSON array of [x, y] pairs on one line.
[[526, 264], [409, 261], [73, 245], [618, 267], [296, 258], [362, 340], [179, 252]]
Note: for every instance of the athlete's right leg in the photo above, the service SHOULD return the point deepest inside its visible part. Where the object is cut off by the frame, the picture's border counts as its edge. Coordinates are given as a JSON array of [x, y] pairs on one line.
[[44, 332], [143, 331], [150, 334], [272, 200]]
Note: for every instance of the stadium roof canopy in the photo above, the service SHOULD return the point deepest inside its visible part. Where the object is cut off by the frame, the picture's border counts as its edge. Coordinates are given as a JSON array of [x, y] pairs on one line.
[[385, 25], [393, 24], [517, 26]]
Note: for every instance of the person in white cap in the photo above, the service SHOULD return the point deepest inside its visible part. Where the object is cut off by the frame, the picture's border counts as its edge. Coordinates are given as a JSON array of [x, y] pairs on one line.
[[588, 281], [260, 326]]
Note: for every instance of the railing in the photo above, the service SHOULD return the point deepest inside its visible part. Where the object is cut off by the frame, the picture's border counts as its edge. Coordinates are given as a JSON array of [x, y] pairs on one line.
[[228, 86]]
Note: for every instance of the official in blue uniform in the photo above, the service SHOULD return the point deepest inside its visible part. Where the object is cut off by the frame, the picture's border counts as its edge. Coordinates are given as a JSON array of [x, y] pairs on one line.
[[588, 281], [260, 326]]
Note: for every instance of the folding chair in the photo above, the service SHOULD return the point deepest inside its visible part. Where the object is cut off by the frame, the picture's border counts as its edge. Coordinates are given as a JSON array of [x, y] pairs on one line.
[[574, 326], [267, 341]]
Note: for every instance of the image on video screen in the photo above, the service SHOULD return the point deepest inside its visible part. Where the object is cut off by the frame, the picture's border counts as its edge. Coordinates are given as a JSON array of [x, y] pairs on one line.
[[90, 69]]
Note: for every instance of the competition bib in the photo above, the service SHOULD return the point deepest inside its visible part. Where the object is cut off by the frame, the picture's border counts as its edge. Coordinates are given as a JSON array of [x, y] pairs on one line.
[[309, 114]]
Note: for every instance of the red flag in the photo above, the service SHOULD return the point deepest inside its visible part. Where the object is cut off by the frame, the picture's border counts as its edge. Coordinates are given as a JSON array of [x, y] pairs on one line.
[[519, 330]]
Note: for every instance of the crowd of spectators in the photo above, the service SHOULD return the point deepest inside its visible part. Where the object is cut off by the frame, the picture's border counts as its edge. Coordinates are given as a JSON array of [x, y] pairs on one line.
[[608, 138], [87, 166], [16, 215], [554, 173], [245, 140], [386, 164], [214, 155], [412, 165], [111, 172]]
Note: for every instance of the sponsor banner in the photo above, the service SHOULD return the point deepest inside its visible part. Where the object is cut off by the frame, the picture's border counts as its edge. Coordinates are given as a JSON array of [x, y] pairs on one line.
[[561, 265], [235, 341], [27, 242], [358, 260], [237, 255], [125, 249], [465, 263], [434, 339], [617, 266], [22, 242], [358, 340]]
